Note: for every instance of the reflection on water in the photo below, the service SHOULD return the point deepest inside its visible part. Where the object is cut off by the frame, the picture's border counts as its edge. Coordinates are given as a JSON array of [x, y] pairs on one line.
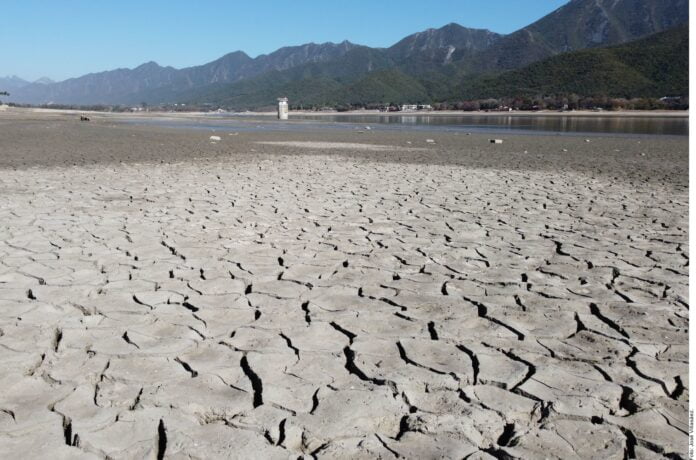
[[570, 125], [553, 123]]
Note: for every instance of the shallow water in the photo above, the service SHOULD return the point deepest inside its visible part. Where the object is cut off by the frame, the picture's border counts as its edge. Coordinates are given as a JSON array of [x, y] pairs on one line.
[[502, 124], [554, 123]]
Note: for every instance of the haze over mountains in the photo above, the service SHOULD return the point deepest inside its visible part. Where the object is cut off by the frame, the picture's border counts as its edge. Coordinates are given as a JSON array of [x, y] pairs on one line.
[[435, 64], [13, 82]]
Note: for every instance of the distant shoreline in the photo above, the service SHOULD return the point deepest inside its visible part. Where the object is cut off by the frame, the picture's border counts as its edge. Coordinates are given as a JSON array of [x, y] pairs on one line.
[[517, 113], [442, 113]]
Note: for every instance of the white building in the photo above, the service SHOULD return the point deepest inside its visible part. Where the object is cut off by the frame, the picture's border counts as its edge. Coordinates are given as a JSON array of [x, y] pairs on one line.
[[282, 108], [416, 107]]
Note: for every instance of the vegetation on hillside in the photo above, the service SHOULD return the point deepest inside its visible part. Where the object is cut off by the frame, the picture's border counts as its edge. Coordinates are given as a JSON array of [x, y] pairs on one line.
[[632, 75], [652, 67], [656, 66]]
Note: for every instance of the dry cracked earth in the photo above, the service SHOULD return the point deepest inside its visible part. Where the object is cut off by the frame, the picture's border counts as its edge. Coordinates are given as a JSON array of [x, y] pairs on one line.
[[302, 303]]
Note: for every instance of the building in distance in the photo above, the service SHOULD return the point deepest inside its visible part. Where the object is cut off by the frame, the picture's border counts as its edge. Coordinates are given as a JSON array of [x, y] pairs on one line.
[[282, 108]]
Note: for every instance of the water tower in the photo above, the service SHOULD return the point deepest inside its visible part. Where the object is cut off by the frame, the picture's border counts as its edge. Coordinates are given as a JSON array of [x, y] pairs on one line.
[[282, 108]]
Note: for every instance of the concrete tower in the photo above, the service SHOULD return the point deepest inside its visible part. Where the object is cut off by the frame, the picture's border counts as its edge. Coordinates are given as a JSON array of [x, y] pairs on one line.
[[282, 108]]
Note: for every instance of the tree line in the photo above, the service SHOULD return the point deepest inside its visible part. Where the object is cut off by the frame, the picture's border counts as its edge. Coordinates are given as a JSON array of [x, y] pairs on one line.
[[554, 102]]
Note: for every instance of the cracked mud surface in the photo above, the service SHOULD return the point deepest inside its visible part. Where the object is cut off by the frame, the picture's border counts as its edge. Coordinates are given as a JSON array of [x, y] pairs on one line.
[[261, 300]]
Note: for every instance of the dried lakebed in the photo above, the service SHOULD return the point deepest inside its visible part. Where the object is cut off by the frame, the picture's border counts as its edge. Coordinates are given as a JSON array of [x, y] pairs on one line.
[[285, 304]]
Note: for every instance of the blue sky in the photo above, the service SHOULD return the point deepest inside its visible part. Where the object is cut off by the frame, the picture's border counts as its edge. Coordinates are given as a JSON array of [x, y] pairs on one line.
[[63, 39]]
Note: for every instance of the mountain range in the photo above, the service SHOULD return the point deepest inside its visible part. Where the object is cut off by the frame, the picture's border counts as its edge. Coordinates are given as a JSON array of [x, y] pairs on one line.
[[654, 66], [13, 82], [435, 64]]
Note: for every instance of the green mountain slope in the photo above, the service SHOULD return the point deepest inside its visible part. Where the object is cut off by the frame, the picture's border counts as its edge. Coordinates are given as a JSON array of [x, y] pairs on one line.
[[655, 66], [580, 24], [384, 87], [448, 63], [652, 67], [265, 88]]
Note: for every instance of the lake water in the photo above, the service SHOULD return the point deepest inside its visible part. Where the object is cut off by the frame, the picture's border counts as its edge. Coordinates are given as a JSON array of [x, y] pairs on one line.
[[668, 125], [502, 124]]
